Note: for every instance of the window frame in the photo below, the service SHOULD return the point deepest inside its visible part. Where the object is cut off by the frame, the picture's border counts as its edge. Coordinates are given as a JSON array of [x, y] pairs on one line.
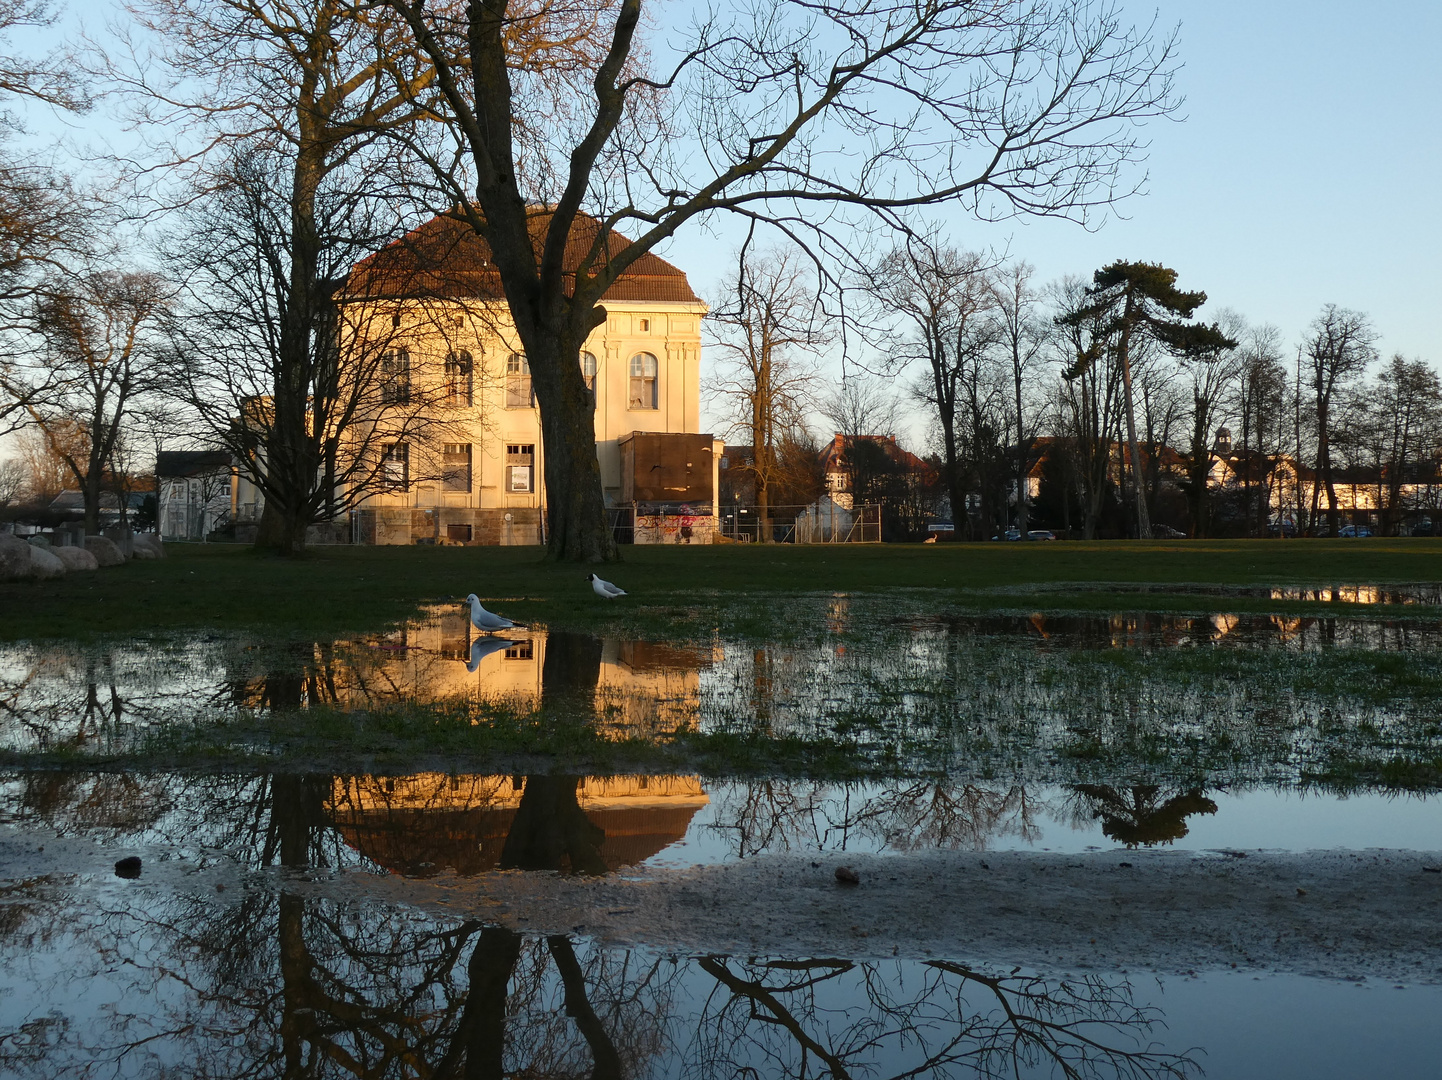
[[460, 379], [395, 376], [450, 471], [392, 454], [520, 456], [637, 395], [518, 382]]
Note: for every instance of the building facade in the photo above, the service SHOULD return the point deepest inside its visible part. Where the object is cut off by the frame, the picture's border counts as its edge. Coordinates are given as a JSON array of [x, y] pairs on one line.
[[448, 335]]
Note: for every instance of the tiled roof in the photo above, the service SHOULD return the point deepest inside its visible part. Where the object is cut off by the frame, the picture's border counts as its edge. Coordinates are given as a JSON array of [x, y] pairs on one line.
[[445, 258]]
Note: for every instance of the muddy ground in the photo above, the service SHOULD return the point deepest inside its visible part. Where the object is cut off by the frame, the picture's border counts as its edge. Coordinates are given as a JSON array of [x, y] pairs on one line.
[[1374, 914]]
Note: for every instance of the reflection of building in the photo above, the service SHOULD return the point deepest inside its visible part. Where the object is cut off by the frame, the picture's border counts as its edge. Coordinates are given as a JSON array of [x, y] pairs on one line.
[[625, 688], [422, 825]]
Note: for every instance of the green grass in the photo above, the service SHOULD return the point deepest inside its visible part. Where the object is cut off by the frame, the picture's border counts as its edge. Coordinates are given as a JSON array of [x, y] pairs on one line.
[[676, 591]]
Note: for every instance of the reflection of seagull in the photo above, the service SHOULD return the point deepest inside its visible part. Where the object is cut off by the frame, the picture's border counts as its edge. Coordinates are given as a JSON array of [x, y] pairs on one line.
[[482, 647], [604, 589], [488, 620]]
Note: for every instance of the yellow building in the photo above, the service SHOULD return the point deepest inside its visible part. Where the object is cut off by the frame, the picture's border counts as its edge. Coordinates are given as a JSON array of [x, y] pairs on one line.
[[436, 301]]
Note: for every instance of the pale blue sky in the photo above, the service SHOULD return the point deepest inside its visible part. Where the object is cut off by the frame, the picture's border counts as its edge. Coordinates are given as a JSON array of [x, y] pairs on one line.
[[1305, 169]]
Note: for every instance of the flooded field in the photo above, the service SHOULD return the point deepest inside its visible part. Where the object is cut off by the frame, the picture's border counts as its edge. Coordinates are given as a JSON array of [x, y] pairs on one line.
[[1133, 845]]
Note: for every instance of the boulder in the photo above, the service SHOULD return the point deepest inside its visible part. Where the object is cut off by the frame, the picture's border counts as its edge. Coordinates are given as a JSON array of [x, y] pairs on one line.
[[15, 556], [142, 551], [44, 563], [105, 551], [150, 542], [75, 558]]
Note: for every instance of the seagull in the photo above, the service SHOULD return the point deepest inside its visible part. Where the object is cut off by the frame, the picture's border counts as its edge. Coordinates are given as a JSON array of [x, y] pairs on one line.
[[482, 647], [488, 620], [604, 589]]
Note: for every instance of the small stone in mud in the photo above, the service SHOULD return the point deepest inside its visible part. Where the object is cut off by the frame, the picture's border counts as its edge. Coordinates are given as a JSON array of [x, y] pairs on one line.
[[1126, 864], [1425, 869], [128, 867], [1301, 892], [847, 876]]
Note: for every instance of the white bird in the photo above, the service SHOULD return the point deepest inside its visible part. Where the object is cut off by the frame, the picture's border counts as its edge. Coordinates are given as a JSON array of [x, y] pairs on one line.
[[482, 647], [604, 589], [485, 621]]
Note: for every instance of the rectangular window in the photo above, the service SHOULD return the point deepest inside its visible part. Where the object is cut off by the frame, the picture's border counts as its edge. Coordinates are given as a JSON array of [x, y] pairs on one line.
[[521, 650], [396, 466], [518, 383], [459, 381], [520, 467], [644, 367], [396, 376], [458, 534], [456, 467]]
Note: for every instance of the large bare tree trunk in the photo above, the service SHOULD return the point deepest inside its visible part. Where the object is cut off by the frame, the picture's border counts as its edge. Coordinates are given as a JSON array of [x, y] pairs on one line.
[[576, 525]]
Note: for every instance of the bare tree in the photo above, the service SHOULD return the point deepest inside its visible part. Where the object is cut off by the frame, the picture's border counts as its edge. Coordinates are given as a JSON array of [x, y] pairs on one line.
[[41, 217], [1092, 394], [367, 385], [1022, 333], [1339, 348], [861, 404], [271, 111], [1261, 409], [813, 117], [12, 481], [765, 328], [1209, 373], [1401, 415], [96, 360]]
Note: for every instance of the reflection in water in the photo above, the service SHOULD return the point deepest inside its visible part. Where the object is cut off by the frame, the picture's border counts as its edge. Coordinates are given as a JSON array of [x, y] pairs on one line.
[[274, 981], [1035, 696], [1139, 816]]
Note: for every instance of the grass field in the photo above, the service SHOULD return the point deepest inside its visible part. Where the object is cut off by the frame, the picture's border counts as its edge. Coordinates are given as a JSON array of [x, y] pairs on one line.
[[678, 591]]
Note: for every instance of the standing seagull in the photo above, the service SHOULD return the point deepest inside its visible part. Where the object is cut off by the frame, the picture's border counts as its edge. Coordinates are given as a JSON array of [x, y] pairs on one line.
[[488, 620], [604, 589]]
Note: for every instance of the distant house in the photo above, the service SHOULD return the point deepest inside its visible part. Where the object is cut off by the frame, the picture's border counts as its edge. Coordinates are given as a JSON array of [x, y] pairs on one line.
[[853, 461], [195, 492], [71, 504]]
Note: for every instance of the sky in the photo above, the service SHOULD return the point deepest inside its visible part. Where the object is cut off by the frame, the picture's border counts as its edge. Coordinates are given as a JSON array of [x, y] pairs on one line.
[[1305, 168]]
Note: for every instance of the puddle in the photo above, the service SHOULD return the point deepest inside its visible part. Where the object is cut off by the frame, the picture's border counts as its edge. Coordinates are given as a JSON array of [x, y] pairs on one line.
[[426, 825], [1426, 593], [121, 980], [1228, 698]]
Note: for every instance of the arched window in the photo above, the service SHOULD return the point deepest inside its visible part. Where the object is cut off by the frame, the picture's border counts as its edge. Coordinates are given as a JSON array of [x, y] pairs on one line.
[[518, 383], [459, 386], [588, 372], [644, 368]]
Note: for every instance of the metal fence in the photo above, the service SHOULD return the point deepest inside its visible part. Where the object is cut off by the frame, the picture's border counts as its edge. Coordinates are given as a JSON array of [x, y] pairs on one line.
[[824, 522]]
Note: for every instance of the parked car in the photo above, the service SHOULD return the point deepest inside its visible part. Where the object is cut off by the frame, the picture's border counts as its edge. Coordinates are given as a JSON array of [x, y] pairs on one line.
[[1286, 528], [1040, 534], [1354, 531], [1010, 534], [1166, 532]]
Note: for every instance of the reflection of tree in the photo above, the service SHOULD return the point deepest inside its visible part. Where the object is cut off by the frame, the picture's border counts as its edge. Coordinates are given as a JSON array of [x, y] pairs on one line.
[[779, 815], [781, 1016], [551, 832], [284, 983], [1140, 816]]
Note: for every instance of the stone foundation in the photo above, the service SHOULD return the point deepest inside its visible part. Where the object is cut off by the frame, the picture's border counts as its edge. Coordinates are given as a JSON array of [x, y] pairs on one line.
[[450, 525]]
